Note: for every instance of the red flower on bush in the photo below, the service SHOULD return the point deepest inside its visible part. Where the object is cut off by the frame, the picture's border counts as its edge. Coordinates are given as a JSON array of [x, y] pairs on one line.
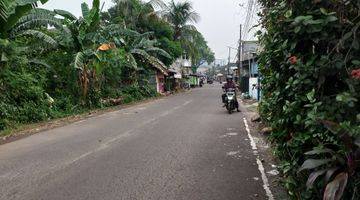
[[355, 73], [293, 60]]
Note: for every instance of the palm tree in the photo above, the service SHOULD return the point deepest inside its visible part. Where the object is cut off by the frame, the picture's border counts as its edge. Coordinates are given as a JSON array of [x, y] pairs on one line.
[[181, 15], [132, 12]]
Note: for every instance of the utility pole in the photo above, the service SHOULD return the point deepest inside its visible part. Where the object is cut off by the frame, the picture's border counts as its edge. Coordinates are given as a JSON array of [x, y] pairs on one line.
[[228, 67], [213, 70], [240, 55]]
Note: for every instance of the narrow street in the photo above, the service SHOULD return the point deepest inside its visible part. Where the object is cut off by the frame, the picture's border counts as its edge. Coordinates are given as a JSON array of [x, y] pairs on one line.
[[184, 146]]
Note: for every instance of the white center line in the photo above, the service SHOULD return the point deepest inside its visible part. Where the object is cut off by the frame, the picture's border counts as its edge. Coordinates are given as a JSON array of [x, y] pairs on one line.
[[259, 163]]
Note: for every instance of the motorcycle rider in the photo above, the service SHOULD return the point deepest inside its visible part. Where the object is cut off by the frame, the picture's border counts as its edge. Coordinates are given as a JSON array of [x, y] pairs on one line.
[[230, 84]]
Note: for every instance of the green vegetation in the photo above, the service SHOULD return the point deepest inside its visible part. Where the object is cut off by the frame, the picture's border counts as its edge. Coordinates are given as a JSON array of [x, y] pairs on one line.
[[311, 89], [181, 15], [53, 64]]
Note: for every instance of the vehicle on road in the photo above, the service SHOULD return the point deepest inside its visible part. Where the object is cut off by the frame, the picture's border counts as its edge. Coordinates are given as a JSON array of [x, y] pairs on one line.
[[185, 86], [230, 98]]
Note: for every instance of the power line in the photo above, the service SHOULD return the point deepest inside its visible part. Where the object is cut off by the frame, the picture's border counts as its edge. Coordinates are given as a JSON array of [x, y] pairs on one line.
[[252, 8]]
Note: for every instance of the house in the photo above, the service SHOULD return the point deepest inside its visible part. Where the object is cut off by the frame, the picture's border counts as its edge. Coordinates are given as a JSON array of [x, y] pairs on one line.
[[172, 82], [160, 73], [249, 72], [189, 79], [182, 67], [160, 81]]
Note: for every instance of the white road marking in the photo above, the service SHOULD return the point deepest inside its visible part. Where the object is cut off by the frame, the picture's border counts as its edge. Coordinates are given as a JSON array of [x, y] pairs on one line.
[[273, 172], [252, 141], [79, 122], [232, 153], [229, 135], [141, 108], [187, 102], [265, 180]]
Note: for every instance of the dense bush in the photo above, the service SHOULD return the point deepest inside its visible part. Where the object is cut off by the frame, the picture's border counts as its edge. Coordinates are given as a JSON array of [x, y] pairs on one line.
[[26, 96], [311, 94], [22, 97]]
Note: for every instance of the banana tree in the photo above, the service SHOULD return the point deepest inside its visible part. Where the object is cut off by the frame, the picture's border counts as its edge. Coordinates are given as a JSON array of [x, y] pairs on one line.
[[11, 11], [21, 18], [139, 48], [80, 41]]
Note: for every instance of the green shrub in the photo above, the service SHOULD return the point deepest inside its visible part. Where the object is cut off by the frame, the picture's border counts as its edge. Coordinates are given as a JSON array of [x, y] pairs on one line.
[[309, 63], [22, 97]]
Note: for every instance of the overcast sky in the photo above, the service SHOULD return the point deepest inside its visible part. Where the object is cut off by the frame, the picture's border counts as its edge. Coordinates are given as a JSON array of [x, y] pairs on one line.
[[220, 20]]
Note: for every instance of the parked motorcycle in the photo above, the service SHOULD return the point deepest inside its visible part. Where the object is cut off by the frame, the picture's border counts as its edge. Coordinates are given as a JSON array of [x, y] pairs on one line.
[[230, 98]]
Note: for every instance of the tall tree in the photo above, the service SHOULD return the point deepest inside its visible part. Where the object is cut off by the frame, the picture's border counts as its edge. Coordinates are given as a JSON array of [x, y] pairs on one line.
[[200, 51], [131, 13], [144, 17], [181, 15]]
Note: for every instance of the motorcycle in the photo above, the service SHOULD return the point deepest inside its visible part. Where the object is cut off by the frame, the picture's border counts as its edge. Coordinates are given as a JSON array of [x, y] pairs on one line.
[[230, 97], [201, 83]]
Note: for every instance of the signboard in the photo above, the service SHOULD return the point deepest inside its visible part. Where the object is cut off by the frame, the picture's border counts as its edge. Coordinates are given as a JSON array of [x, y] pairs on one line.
[[178, 76]]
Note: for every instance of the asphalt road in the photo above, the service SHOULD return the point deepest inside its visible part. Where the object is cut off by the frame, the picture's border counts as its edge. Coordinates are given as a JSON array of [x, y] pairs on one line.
[[182, 147]]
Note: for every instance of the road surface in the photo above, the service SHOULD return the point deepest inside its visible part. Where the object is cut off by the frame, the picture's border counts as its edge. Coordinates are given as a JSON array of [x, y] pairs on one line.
[[182, 147]]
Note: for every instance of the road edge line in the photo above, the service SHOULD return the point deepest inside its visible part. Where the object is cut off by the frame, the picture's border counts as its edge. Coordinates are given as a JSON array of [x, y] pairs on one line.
[[261, 168]]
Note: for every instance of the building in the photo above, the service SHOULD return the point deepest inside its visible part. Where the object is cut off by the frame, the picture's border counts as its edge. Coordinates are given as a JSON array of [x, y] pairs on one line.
[[160, 76], [249, 72]]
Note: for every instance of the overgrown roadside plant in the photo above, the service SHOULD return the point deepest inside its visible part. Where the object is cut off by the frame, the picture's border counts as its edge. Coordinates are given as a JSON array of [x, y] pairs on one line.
[[310, 65]]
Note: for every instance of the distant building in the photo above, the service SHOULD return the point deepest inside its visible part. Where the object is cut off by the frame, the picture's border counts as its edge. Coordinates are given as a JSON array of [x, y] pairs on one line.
[[249, 72], [183, 68]]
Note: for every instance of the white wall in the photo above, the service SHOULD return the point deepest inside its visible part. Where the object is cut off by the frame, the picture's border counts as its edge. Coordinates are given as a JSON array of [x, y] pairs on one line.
[[253, 91]]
